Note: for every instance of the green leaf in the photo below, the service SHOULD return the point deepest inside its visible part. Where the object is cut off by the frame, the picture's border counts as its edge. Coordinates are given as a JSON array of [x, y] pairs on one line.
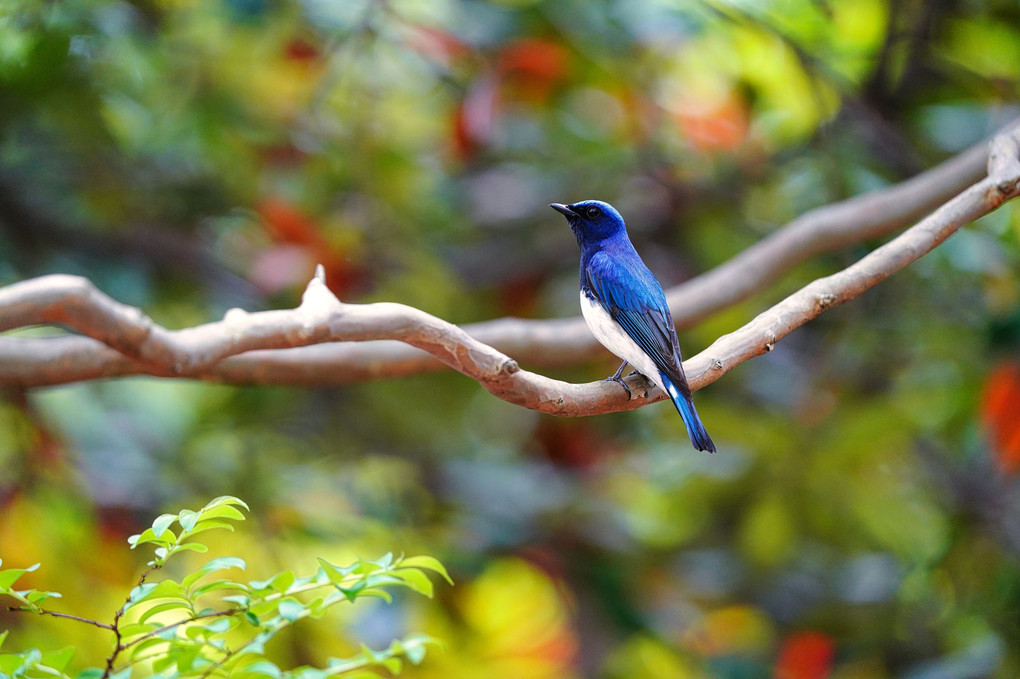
[[217, 564], [414, 652], [203, 526], [220, 625], [428, 563], [192, 547], [224, 562], [291, 609], [262, 607], [219, 586], [10, 663], [161, 523], [394, 665], [167, 633], [336, 574], [415, 646], [91, 673], [36, 596], [315, 673], [163, 608], [9, 577], [148, 537], [377, 593], [263, 668], [140, 592], [168, 588], [353, 590], [136, 629], [220, 512], [187, 519], [225, 500], [196, 632], [163, 662], [382, 579], [318, 606], [278, 583], [150, 591], [382, 563], [140, 647], [415, 580]]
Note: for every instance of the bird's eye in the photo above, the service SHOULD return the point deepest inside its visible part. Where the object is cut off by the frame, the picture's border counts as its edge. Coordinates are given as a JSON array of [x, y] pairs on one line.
[[594, 212]]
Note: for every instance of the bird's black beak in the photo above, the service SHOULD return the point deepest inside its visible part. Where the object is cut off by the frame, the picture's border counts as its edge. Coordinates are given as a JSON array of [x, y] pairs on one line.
[[564, 210]]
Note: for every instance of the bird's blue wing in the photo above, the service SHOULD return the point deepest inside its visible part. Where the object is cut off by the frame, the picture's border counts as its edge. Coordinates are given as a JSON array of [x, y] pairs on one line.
[[632, 296]]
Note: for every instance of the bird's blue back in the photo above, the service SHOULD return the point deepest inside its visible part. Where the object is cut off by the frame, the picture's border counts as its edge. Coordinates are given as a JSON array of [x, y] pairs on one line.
[[613, 274]]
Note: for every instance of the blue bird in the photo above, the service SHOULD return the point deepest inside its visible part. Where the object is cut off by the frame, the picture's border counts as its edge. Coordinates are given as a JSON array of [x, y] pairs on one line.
[[625, 308]]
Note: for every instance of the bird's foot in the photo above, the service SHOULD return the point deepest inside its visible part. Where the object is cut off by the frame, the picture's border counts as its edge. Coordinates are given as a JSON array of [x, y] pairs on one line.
[[616, 378], [619, 380]]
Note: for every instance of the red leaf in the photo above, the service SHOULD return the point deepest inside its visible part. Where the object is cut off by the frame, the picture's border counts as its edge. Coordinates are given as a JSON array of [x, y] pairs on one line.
[[290, 226], [1000, 412], [299, 49], [571, 443], [534, 66], [535, 58], [287, 223], [805, 655], [474, 117]]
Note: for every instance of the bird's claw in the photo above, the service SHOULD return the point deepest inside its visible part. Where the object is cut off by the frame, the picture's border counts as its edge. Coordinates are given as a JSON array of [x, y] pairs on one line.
[[615, 377], [619, 380]]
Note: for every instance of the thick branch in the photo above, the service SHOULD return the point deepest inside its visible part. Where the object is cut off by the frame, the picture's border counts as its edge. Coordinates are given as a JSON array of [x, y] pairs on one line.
[[123, 341]]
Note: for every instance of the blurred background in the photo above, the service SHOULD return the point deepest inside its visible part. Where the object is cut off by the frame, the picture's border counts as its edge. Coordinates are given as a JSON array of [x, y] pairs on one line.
[[861, 519]]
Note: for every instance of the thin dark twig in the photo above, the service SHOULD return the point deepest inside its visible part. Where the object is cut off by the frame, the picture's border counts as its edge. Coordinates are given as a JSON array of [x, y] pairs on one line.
[[119, 645], [57, 614]]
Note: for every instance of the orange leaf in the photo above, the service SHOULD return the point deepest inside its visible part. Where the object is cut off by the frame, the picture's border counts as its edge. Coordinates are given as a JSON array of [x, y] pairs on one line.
[[720, 125], [534, 66], [534, 57]]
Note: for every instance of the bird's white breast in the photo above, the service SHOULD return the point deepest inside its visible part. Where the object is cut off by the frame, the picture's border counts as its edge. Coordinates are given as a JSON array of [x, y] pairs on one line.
[[613, 337]]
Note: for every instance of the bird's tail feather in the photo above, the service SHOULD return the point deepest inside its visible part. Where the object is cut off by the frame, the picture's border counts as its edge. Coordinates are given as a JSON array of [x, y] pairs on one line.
[[685, 406]]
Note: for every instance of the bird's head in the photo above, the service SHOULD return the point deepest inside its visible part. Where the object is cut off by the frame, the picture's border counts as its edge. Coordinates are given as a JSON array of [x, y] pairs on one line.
[[591, 220]]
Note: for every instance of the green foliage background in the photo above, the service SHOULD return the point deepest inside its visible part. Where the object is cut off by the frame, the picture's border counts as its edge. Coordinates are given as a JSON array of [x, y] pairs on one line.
[[207, 622], [860, 519]]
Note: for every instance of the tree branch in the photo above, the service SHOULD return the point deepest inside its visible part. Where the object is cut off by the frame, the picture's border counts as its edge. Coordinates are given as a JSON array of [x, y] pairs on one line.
[[246, 347]]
